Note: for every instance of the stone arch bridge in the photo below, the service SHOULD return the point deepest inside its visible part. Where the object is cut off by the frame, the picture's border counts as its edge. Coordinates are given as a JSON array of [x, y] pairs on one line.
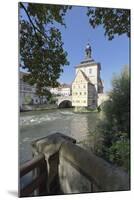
[[64, 101]]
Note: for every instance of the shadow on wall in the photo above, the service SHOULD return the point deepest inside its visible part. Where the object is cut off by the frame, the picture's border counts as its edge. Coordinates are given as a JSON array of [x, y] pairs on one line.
[[13, 193]]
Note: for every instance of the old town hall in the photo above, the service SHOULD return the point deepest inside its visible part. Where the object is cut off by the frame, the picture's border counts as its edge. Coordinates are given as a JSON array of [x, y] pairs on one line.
[[87, 84]]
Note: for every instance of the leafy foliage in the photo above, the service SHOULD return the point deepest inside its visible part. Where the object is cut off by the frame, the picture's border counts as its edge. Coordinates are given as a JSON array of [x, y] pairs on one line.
[[114, 128], [43, 92], [119, 152], [118, 110], [41, 46], [114, 21]]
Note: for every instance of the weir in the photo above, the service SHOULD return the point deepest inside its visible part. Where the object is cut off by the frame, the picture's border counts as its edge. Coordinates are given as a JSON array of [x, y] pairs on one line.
[[60, 166]]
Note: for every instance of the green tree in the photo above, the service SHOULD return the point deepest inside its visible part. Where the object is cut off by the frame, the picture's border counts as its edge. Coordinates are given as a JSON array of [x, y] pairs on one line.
[[41, 46], [114, 21], [119, 109], [43, 92], [114, 128]]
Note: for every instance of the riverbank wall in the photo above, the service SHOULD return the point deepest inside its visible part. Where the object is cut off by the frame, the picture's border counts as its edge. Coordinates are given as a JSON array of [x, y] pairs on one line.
[[37, 107], [84, 110]]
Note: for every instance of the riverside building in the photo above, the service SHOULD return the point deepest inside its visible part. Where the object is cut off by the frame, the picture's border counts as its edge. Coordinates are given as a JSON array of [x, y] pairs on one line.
[[28, 94], [87, 84], [62, 90]]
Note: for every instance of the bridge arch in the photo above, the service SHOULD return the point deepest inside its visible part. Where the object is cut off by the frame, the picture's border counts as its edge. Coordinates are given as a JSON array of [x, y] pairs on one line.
[[64, 101], [65, 104]]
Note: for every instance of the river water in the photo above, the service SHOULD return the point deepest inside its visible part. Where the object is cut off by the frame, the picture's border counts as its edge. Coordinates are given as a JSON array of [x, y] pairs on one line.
[[36, 124]]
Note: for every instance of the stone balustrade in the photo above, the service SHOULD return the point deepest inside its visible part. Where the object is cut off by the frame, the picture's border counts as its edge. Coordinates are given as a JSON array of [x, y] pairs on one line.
[[72, 169]]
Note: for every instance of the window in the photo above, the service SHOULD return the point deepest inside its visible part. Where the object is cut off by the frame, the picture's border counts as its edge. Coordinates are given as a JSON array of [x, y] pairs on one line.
[[84, 86], [80, 93], [85, 93], [93, 101], [90, 71]]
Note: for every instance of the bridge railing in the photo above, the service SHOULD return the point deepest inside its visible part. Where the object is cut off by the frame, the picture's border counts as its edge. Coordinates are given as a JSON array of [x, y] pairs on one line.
[[81, 171], [39, 177], [61, 167], [74, 170]]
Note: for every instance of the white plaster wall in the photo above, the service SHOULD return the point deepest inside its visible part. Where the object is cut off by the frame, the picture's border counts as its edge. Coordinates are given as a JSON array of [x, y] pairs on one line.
[[79, 86], [65, 91], [93, 75]]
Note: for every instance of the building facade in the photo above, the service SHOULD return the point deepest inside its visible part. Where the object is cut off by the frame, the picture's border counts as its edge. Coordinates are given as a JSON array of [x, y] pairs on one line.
[[62, 90], [83, 91], [28, 93], [87, 83]]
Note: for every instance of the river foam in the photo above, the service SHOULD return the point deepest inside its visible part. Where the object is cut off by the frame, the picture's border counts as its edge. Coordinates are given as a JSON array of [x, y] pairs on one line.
[[44, 117]]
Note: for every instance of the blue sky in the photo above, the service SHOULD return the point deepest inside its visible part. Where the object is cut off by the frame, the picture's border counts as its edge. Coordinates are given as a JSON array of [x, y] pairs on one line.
[[112, 55]]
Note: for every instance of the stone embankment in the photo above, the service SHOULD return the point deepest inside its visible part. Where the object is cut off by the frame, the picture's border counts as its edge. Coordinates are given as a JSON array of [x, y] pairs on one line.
[[38, 107]]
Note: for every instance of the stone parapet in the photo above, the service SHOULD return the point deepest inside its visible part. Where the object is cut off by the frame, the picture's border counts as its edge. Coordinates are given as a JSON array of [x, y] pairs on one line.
[[84, 172], [72, 169]]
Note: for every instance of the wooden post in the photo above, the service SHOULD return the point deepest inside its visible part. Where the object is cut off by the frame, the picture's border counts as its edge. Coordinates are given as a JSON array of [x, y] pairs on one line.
[[39, 180], [44, 174]]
